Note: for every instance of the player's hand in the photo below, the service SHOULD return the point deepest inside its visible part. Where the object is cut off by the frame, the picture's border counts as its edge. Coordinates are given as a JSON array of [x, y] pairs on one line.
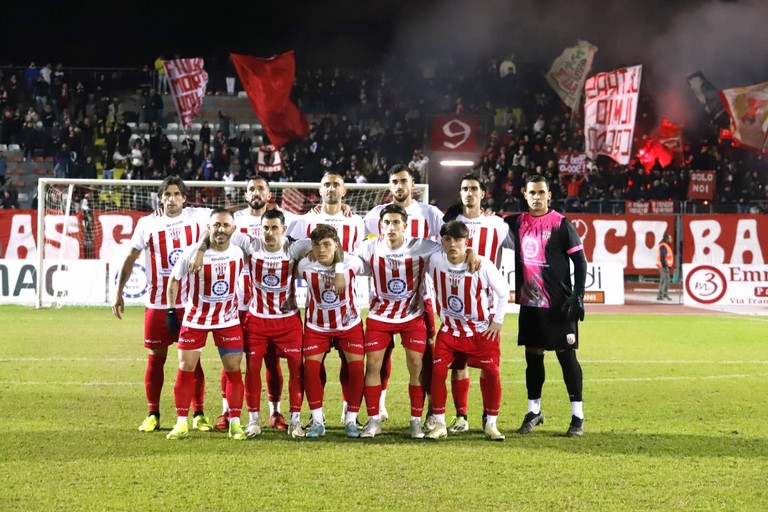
[[317, 209], [493, 333], [346, 210], [340, 283], [172, 321], [196, 263], [473, 261], [431, 341], [488, 212], [118, 307], [574, 307], [289, 304]]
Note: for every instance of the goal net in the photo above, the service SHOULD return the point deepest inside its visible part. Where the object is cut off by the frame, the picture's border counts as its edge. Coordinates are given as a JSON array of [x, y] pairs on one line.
[[84, 228]]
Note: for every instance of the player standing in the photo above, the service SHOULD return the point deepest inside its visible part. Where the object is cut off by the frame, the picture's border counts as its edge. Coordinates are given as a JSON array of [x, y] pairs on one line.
[[163, 238], [211, 306], [471, 319], [550, 306]]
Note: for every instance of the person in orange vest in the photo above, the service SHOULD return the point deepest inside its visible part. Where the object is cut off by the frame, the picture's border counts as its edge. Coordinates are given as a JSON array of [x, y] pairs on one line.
[[665, 261]]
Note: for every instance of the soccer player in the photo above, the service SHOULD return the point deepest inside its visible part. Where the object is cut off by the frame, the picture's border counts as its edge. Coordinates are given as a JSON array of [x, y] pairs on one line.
[[273, 318], [248, 221], [211, 307], [350, 227], [550, 305], [471, 320], [163, 237], [487, 235], [331, 318], [424, 221]]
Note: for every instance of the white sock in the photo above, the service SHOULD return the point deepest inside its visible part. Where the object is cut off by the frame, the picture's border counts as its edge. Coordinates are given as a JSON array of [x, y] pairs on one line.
[[416, 418], [295, 417], [274, 408], [440, 418], [351, 416], [224, 406], [253, 417], [577, 409], [383, 399], [234, 420], [317, 415], [181, 419], [534, 406], [490, 420], [375, 417]]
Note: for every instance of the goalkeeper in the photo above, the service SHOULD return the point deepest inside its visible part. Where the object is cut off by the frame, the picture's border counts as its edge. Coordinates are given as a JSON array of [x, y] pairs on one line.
[[550, 305]]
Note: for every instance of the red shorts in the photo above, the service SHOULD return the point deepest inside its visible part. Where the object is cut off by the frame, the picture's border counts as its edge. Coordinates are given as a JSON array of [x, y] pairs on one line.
[[156, 334], [378, 334], [284, 333], [477, 350], [226, 338], [318, 342]]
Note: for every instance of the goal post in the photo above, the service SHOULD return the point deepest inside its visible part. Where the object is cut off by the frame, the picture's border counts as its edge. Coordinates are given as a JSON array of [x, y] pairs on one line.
[[84, 227]]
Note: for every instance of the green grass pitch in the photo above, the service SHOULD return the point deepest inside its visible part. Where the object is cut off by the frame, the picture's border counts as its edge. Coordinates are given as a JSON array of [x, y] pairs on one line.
[[676, 419]]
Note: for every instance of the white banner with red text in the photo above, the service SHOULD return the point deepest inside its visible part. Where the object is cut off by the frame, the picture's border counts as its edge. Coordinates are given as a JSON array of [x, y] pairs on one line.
[[726, 285]]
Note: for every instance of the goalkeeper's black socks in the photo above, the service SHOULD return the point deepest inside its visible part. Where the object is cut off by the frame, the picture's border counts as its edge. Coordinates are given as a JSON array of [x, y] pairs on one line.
[[571, 373], [534, 374]]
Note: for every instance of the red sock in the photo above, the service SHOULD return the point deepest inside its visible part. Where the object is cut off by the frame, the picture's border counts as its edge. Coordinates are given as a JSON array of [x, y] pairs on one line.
[[235, 393], [154, 376], [343, 376], [199, 397], [439, 390], [355, 384], [460, 392], [372, 397], [416, 394], [313, 383], [274, 375], [386, 368], [223, 383], [253, 384], [295, 384], [490, 387], [183, 390]]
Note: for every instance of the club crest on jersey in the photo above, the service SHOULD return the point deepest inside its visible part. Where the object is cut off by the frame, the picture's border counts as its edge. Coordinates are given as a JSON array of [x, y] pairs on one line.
[[270, 280], [220, 287], [455, 304], [454, 279], [396, 286], [530, 247], [175, 233], [329, 296], [393, 263], [220, 269], [328, 279], [546, 235], [173, 256]]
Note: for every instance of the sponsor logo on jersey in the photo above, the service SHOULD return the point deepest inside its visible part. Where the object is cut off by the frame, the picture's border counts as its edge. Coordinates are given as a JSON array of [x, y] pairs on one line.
[[136, 286], [455, 304], [153, 342], [570, 338], [185, 340], [329, 296], [396, 286], [220, 287], [270, 280], [231, 338], [173, 256], [530, 247]]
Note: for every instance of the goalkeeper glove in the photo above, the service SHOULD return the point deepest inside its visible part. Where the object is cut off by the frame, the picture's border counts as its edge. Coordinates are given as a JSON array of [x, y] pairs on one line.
[[574, 306], [172, 321]]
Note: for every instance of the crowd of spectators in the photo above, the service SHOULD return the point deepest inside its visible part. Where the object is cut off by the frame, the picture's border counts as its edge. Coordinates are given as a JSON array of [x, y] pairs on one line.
[[362, 122]]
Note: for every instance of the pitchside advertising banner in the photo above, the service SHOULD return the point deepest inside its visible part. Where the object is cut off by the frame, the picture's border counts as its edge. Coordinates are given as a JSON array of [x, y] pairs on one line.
[[726, 285]]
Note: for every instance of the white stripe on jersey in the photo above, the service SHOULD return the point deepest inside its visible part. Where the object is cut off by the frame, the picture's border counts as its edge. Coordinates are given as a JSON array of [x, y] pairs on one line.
[[424, 220], [487, 234], [351, 229], [463, 300], [397, 277], [326, 311], [212, 302], [163, 239]]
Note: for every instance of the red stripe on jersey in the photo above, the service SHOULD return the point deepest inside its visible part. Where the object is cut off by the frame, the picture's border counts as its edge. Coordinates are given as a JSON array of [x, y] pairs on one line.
[[414, 227], [189, 239], [467, 296], [195, 283], [347, 238], [216, 312]]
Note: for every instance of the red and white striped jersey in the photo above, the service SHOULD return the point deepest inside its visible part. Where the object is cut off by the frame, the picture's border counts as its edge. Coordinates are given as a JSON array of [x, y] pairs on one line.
[[326, 311], [487, 235], [163, 239], [398, 275], [251, 225], [351, 229], [272, 276], [212, 302], [467, 303], [424, 220]]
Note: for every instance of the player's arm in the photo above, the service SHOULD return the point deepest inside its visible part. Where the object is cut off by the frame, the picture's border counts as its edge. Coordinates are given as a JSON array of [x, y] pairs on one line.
[[180, 269], [118, 304], [574, 302], [497, 284]]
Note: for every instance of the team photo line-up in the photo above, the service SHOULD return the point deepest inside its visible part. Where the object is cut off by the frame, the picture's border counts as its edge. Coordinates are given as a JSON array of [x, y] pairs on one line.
[[233, 272]]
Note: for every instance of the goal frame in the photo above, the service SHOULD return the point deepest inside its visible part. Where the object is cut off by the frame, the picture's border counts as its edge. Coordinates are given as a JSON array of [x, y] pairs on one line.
[[43, 183]]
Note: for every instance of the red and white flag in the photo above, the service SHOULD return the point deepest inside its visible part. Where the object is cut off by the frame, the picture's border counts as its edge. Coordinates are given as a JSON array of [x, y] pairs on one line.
[[269, 160], [189, 82], [268, 83], [610, 109], [569, 71], [671, 137], [748, 108]]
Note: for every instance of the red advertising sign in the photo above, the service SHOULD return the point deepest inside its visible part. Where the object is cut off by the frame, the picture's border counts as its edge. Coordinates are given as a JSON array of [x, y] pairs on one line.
[[571, 162], [725, 239], [629, 240], [456, 134], [701, 184]]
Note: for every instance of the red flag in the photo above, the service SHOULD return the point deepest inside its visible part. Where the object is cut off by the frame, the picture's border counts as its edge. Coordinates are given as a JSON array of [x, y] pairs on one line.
[[268, 83], [671, 136]]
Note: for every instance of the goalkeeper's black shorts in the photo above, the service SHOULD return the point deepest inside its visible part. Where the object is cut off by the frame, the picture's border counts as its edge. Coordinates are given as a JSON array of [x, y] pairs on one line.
[[546, 328]]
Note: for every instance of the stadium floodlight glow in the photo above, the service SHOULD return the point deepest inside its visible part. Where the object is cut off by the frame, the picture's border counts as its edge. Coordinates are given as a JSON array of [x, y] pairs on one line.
[[457, 163]]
